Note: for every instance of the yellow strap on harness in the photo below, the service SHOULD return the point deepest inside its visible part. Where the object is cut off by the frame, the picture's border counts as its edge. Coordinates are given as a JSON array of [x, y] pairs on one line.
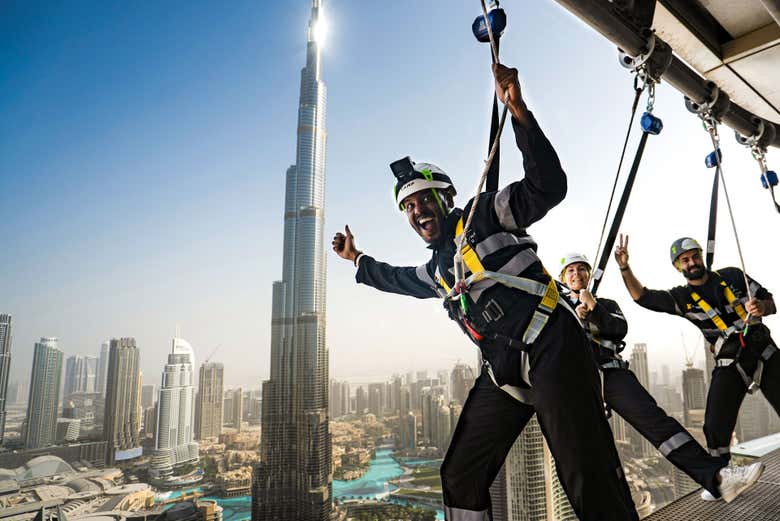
[[470, 257], [713, 314]]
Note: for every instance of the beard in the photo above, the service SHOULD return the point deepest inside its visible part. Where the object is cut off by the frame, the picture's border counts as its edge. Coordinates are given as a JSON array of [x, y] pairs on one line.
[[694, 273]]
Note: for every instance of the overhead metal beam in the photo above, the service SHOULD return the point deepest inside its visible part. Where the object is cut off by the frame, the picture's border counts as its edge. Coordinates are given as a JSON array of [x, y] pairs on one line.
[[773, 6], [606, 19]]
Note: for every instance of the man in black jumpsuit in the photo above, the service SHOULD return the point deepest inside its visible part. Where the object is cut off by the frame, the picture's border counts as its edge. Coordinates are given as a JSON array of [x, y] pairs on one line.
[[717, 303], [553, 375], [606, 327]]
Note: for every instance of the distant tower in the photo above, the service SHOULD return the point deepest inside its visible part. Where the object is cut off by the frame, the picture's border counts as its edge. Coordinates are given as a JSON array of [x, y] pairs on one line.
[[294, 478], [174, 445], [208, 420], [694, 397], [122, 417], [5, 367], [44, 394], [461, 381], [80, 374], [237, 403], [639, 444], [100, 385], [527, 487]]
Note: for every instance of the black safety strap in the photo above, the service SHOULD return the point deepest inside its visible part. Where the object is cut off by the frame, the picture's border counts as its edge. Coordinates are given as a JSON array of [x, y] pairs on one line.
[[619, 212], [774, 199], [491, 183], [637, 94], [712, 228]]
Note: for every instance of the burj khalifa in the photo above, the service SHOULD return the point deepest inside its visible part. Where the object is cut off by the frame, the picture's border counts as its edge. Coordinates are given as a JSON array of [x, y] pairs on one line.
[[293, 481]]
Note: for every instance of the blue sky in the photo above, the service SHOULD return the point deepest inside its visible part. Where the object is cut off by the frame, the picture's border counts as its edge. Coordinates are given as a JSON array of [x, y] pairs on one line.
[[143, 149]]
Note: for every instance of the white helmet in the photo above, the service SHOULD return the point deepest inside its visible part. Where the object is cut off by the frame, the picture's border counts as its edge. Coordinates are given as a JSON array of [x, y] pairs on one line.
[[571, 258]]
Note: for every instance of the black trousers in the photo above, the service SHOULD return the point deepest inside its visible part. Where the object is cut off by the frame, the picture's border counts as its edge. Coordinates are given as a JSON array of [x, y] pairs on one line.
[[727, 390], [626, 396], [568, 405]]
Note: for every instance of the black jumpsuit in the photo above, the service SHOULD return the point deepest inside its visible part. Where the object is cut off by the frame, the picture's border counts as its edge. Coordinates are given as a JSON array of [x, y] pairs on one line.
[[623, 393], [565, 397], [727, 386]]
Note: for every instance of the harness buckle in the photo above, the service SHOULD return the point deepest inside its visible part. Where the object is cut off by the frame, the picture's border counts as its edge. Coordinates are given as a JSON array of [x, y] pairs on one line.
[[492, 311]]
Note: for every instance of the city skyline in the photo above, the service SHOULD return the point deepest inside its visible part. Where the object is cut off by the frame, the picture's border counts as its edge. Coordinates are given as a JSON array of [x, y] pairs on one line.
[[233, 238]]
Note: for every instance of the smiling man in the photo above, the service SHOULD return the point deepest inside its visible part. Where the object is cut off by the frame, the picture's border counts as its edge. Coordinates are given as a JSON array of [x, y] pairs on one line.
[[606, 327], [729, 317], [536, 355]]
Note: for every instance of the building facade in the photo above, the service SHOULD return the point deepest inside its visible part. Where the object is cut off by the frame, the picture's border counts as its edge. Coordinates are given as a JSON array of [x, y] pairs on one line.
[[294, 479], [5, 368], [44, 400], [80, 374], [122, 417], [208, 416], [694, 397], [100, 385], [174, 444]]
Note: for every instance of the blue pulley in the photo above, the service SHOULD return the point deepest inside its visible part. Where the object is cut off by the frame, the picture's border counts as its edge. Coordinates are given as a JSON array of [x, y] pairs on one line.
[[497, 19], [711, 161], [651, 124], [771, 176]]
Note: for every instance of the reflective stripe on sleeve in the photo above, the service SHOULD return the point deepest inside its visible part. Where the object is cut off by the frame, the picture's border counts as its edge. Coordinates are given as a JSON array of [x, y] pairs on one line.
[[674, 443]]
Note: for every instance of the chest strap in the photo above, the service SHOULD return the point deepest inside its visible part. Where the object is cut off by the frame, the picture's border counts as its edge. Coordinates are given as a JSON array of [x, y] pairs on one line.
[[714, 315]]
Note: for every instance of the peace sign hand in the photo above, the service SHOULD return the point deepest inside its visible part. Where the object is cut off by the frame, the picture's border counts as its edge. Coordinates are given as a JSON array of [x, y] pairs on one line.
[[621, 252]]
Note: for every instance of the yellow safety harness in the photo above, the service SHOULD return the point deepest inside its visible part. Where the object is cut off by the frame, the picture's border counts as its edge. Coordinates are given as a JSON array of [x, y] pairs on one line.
[[713, 313], [752, 382], [548, 292]]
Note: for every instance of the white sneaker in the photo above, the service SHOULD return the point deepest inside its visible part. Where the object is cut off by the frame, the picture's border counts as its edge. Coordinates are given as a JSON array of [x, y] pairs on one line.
[[706, 495], [735, 480]]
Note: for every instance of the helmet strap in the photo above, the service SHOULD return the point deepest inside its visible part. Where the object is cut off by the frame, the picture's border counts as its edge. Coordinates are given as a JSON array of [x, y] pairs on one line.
[[444, 210]]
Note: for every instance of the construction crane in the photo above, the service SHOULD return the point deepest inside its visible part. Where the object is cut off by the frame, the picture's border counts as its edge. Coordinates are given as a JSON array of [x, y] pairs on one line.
[[213, 351]]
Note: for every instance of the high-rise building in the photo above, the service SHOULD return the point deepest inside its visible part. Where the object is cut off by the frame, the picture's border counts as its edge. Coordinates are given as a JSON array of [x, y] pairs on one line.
[[150, 421], [527, 487], [148, 398], [208, 412], [294, 478], [639, 445], [5, 368], [237, 408], [44, 394], [376, 399], [80, 374], [338, 402], [753, 419], [121, 420], [461, 381], [174, 445], [639, 364], [694, 397], [100, 385], [709, 364]]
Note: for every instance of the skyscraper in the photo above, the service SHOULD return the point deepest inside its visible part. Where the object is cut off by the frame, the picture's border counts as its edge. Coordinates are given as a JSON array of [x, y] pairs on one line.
[[100, 385], [174, 445], [5, 367], [121, 420], [461, 381], [237, 408], [208, 412], [694, 397], [527, 487], [80, 374], [294, 479], [639, 444], [44, 394], [148, 398]]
